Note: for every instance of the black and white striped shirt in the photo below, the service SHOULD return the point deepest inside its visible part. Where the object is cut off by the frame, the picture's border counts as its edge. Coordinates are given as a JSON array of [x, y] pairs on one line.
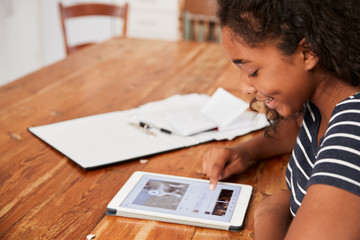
[[336, 161]]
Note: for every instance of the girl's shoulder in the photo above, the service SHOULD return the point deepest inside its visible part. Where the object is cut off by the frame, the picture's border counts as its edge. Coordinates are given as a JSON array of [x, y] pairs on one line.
[[347, 110], [350, 102]]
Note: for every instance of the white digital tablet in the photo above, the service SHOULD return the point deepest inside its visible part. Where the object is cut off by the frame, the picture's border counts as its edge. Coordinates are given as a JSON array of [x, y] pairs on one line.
[[182, 200]]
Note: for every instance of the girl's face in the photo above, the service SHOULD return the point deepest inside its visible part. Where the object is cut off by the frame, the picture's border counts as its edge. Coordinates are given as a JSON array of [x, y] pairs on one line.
[[284, 83]]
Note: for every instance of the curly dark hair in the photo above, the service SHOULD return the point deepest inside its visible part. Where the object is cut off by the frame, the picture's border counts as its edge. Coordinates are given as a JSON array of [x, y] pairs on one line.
[[330, 28]]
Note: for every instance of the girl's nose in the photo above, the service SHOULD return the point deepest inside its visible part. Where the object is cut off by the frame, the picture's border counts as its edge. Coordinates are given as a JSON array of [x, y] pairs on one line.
[[245, 86]]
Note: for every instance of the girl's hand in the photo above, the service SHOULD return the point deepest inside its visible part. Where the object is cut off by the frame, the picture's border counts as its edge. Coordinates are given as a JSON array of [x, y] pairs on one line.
[[220, 163]]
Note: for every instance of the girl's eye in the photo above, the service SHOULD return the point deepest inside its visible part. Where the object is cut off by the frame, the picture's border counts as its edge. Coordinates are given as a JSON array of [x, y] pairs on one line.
[[254, 74]]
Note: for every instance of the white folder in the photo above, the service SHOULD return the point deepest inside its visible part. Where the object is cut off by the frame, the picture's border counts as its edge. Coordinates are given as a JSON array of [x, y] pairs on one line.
[[113, 137]]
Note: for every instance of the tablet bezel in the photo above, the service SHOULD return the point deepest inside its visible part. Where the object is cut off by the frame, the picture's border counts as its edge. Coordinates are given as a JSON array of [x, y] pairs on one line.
[[235, 223]]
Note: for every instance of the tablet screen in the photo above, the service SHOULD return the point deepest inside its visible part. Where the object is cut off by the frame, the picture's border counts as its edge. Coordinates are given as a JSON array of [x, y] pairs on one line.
[[183, 197]]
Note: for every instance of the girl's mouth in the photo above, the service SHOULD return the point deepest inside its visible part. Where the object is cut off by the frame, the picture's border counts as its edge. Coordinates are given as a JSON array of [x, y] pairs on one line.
[[268, 100], [269, 103]]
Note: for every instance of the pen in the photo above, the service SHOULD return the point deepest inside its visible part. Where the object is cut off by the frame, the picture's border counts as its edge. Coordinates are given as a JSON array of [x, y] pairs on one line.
[[146, 130], [146, 126]]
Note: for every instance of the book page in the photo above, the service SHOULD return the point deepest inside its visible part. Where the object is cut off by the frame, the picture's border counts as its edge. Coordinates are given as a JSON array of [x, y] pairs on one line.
[[190, 121], [223, 108]]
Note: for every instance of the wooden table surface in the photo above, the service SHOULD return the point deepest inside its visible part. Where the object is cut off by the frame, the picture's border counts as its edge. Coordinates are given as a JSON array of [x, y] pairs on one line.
[[44, 195]]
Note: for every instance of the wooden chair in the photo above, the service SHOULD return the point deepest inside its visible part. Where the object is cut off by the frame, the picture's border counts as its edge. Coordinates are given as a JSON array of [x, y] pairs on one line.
[[199, 21], [89, 9]]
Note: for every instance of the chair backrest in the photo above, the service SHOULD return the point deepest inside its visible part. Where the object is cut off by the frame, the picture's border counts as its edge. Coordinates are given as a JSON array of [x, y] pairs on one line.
[[90, 9], [199, 22]]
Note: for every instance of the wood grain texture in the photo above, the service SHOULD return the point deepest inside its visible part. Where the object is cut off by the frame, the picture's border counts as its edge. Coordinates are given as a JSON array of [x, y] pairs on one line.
[[44, 195]]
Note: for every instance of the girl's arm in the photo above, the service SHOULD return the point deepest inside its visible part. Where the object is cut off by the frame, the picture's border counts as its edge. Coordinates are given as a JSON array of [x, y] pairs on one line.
[[220, 163], [272, 217], [327, 213]]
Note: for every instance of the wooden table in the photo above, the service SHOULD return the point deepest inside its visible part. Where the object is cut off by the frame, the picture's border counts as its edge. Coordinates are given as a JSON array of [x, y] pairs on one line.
[[44, 195]]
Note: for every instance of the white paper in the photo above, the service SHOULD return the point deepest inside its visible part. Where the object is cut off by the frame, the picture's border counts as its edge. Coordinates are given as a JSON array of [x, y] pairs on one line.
[[223, 108], [157, 113], [191, 114], [190, 121]]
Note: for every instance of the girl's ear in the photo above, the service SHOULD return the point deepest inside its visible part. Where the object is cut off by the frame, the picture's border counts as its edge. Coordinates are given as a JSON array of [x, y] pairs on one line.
[[310, 59]]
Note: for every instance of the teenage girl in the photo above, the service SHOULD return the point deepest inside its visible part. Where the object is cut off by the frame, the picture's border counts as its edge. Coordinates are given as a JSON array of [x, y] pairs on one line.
[[301, 59]]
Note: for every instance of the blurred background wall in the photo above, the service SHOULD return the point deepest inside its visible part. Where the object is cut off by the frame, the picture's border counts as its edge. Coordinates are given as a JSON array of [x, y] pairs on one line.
[[31, 37]]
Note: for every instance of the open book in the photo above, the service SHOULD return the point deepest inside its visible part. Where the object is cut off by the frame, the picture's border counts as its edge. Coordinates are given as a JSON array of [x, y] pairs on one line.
[[194, 113], [153, 128]]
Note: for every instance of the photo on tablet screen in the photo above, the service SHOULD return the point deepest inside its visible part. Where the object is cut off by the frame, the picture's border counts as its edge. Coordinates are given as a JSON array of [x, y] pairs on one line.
[[222, 202], [161, 194]]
